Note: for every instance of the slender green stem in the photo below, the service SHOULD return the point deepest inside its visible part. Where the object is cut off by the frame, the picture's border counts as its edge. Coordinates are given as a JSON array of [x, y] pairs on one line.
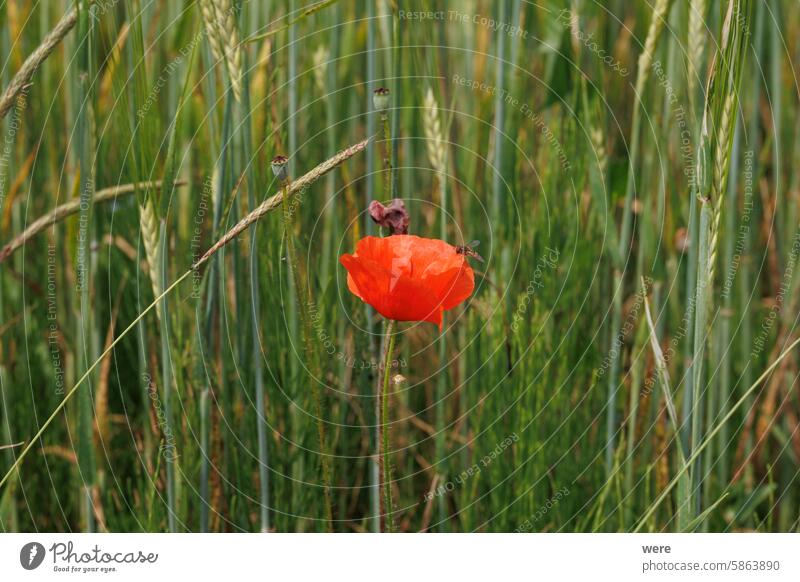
[[303, 302], [68, 396], [386, 463], [700, 326], [388, 170], [87, 333], [291, 304], [369, 228], [615, 347], [166, 380], [637, 373], [255, 305], [206, 340], [691, 311], [745, 289], [642, 75], [725, 342], [331, 102], [442, 384], [397, 62], [499, 119], [205, 438], [5, 420]]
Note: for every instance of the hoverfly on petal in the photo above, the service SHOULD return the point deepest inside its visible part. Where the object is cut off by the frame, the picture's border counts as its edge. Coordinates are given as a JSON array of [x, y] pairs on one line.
[[469, 250]]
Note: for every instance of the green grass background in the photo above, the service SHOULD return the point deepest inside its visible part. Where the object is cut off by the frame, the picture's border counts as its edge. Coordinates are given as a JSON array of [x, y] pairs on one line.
[[517, 416]]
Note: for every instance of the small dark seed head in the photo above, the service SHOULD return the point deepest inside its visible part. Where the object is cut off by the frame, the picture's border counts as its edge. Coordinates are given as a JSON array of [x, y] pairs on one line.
[[380, 99]]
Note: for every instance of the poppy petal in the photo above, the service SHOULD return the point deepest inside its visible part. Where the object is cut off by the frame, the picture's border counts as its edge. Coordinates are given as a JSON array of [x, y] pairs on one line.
[[454, 285], [366, 279], [408, 278], [398, 298]]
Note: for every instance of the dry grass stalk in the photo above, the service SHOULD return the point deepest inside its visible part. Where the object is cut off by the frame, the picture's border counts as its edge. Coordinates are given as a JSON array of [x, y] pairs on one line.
[[28, 68], [273, 202], [68, 208]]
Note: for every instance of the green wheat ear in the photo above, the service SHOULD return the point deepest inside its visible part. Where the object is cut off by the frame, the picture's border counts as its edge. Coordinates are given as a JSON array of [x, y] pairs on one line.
[[223, 37]]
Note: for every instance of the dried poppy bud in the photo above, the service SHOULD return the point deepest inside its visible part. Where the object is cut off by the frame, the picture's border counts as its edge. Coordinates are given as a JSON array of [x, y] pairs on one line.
[[380, 99], [393, 216], [279, 167]]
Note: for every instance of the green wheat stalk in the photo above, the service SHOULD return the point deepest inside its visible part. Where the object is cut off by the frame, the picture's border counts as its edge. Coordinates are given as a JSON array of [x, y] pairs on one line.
[[657, 22]]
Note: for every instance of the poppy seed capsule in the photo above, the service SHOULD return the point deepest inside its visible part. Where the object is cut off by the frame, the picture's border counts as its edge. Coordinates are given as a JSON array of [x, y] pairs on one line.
[[279, 167], [380, 99]]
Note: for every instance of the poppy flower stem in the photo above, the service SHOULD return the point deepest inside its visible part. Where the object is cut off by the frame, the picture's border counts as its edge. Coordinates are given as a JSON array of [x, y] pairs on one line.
[[385, 462]]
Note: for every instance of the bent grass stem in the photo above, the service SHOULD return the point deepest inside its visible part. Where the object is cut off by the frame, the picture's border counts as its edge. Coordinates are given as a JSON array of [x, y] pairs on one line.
[[268, 205], [86, 375], [710, 436]]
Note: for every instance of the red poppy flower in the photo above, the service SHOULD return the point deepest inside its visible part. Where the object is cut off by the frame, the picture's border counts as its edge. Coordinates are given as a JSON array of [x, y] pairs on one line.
[[408, 278]]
